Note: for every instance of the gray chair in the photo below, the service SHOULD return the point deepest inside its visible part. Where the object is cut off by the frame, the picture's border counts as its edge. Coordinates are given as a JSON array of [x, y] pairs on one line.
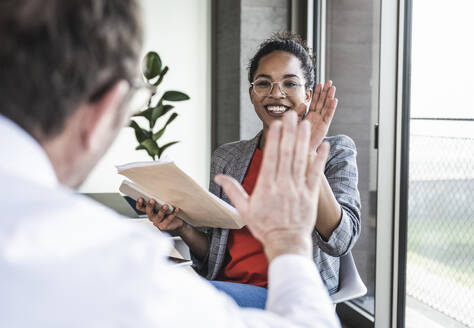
[[350, 284]]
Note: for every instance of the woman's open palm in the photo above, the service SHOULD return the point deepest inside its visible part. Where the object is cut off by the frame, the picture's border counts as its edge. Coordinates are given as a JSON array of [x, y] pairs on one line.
[[321, 111]]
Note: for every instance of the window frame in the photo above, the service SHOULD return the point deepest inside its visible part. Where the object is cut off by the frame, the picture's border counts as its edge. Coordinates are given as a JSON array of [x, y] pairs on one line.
[[392, 163]]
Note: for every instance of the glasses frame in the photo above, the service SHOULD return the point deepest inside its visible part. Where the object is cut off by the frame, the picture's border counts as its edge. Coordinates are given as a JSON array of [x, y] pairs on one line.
[[272, 86], [135, 87]]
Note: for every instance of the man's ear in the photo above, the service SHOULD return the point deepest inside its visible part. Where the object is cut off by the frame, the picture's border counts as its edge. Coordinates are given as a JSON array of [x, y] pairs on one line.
[[250, 94], [102, 113]]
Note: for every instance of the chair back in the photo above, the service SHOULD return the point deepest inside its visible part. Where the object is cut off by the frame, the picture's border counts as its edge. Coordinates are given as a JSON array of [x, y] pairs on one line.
[[350, 283]]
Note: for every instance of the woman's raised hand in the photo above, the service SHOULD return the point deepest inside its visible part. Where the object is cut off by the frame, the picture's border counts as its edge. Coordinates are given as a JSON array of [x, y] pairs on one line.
[[321, 111], [157, 215]]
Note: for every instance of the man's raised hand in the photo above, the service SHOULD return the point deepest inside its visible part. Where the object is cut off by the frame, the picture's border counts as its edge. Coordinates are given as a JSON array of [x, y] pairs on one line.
[[281, 212]]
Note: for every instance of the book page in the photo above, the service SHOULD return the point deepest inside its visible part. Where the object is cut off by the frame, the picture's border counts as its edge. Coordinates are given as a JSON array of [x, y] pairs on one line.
[[167, 182]]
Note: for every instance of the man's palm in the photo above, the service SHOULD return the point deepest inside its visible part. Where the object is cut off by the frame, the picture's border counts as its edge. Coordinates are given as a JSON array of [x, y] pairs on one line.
[[282, 206]]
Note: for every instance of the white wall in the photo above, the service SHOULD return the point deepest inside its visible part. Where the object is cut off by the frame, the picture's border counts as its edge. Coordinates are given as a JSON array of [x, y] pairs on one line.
[[181, 34]]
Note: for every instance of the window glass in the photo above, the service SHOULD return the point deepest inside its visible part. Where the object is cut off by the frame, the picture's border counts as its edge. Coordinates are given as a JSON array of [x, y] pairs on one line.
[[440, 260]]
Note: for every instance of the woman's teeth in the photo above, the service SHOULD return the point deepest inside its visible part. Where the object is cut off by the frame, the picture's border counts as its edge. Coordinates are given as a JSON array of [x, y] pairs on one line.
[[276, 109]]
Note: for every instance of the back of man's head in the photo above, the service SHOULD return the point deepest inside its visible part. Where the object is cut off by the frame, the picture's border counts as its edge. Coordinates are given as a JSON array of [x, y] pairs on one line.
[[57, 54]]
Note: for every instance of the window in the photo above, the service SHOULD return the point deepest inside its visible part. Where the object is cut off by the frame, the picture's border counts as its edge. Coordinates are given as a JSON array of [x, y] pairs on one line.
[[440, 216]]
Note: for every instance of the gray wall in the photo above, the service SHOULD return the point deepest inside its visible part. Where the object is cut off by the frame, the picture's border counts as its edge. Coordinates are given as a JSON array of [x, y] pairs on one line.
[[260, 19], [239, 27], [226, 72]]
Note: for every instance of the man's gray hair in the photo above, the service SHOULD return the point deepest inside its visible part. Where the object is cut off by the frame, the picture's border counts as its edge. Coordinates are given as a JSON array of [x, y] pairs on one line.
[[57, 54]]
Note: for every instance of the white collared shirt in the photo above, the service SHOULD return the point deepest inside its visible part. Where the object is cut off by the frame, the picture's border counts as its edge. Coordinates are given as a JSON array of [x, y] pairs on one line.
[[66, 261]]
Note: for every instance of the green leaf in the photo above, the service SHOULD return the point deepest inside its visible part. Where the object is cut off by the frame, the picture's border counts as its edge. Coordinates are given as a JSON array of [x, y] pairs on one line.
[[171, 119], [159, 111], [158, 135], [139, 147], [151, 147], [151, 65], [156, 113], [166, 109], [175, 96], [163, 148], [140, 133], [147, 113], [162, 75]]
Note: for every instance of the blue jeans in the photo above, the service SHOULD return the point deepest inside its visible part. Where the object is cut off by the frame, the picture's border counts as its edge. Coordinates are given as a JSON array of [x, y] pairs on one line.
[[244, 295]]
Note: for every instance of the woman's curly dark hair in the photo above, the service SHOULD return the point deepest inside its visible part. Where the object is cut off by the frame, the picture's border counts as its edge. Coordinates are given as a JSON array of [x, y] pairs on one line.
[[291, 43]]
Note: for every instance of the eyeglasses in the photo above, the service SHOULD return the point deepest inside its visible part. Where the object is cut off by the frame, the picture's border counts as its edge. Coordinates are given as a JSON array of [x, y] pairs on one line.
[[289, 87], [138, 96]]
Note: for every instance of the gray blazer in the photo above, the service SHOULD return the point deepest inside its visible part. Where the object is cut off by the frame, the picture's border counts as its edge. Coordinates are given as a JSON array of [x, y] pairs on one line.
[[341, 172]]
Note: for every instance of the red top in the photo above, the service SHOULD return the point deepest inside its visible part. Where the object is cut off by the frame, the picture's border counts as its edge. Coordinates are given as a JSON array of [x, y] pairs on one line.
[[248, 264]]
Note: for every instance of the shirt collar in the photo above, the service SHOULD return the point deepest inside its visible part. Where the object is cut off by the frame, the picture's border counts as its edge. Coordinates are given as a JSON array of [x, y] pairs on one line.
[[23, 156]]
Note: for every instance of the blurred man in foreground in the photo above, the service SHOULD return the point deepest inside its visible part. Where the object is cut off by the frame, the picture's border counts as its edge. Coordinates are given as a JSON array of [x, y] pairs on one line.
[[68, 70]]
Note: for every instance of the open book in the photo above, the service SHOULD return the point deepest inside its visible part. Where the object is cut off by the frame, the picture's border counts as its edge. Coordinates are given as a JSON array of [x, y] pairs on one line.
[[168, 184]]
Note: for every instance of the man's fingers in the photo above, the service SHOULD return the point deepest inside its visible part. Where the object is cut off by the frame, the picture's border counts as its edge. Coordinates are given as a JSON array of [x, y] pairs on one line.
[[270, 153], [237, 195], [316, 166], [300, 162], [301, 108], [287, 145]]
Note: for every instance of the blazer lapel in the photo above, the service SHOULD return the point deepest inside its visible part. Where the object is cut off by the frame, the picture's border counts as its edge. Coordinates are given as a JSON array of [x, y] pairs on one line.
[[244, 153]]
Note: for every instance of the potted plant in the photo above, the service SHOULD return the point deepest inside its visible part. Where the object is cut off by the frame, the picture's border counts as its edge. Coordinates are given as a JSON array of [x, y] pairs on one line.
[[157, 107]]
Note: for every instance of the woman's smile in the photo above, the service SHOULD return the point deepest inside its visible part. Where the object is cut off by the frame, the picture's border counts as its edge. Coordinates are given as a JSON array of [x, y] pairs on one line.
[[276, 110]]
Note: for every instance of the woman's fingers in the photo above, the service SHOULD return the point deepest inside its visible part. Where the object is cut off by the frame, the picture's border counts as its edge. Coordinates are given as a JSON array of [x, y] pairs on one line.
[[150, 209], [329, 110], [169, 223], [154, 214], [316, 95], [322, 98], [328, 102], [140, 205], [331, 93], [161, 215]]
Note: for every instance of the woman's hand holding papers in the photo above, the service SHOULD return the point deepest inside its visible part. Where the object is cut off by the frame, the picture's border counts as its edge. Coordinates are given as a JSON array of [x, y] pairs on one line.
[[281, 212], [171, 223], [157, 215]]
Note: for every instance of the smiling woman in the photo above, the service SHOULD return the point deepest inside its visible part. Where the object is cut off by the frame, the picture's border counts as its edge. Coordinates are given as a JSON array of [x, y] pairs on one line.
[[285, 70], [281, 77]]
